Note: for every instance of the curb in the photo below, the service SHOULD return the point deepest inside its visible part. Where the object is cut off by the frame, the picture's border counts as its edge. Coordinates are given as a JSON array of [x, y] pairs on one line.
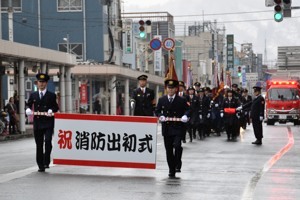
[[27, 134]]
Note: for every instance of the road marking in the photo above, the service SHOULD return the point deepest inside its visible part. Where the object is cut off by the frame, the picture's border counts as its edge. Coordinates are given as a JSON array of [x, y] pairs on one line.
[[17, 174], [250, 188]]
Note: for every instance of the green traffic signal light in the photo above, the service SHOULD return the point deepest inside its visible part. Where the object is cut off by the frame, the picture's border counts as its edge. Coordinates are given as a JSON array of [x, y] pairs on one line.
[[278, 8], [278, 17], [142, 34]]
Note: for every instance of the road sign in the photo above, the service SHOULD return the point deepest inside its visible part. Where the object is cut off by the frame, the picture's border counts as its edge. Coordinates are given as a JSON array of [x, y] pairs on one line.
[[155, 44], [168, 44]]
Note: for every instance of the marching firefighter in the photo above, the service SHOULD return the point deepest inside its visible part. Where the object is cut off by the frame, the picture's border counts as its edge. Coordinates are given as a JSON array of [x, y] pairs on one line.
[[257, 114], [193, 102], [143, 98], [203, 113], [208, 94], [230, 115], [246, 99], [172, 106], [182, 93], [216, 103]]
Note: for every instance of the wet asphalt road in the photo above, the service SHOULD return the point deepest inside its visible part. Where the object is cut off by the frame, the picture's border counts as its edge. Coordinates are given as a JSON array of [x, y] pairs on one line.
[[212, 169]]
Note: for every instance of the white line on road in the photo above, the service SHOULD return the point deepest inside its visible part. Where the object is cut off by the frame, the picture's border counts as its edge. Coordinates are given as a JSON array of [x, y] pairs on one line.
[[17, 174], [250, 188]]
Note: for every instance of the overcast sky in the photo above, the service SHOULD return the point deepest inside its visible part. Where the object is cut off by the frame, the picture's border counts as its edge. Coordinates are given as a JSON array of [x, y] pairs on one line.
[[285, 33]]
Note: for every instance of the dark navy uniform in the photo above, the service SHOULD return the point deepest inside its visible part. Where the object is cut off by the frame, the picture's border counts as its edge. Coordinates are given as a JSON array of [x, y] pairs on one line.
[[245, 118], [217, 122], [257, 116], [192, 101], [203, 111], [231, 121], [172, 131], [143, 100], [43, 125]]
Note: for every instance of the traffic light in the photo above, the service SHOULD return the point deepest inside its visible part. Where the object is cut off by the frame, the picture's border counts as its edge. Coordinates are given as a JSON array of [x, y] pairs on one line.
[[287, 8], [239, 71], [278, 8], [142, 28]]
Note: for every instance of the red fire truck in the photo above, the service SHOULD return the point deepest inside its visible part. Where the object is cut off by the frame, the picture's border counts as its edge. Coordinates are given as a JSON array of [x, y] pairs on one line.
[[282, 101]]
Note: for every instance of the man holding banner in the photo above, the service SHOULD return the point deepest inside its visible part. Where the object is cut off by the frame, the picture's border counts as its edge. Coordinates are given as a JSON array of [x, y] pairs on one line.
[[44, 104], [173, 112]]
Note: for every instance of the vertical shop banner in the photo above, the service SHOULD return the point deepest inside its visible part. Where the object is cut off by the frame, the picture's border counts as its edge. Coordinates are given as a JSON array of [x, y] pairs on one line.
[[230, 52], [103, 140], [157, 56], [83, 94]]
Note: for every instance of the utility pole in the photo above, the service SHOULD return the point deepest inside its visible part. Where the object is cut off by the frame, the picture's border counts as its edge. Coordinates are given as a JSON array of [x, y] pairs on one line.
[[10, 21], [0, 22]]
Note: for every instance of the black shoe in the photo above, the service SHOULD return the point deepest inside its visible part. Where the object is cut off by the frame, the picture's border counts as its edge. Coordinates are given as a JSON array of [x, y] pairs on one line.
[[178, 170], [172, 175], [257, 142], [41, 170], [47, 166]]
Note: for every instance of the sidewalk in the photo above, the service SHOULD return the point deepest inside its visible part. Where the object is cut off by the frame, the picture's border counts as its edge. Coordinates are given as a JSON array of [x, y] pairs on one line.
[[28, 133]]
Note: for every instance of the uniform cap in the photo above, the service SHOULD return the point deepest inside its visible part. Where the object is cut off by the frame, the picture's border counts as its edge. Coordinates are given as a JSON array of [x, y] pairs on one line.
[[234, 85], [257, 87], [197, 84], [191, 88], [207, 89], [142, 77], [171, 83], [200, 90], [42, 77], [181, 83]]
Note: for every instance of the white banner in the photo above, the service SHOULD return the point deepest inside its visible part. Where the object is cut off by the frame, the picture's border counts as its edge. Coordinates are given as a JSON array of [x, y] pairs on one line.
[[102, 140], [157, 56]]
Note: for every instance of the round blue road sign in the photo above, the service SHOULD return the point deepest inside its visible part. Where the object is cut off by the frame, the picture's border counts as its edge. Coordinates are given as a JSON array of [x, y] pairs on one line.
[[155, 44]]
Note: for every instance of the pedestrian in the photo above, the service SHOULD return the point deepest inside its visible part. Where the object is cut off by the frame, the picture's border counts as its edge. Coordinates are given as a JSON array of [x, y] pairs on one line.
[[97, 106], [142, 101], [12, 113], [172, 106], [231, 118], [203, 113], [257, 113], [43, 101], [246, 112], [193, 102], [182, 93]]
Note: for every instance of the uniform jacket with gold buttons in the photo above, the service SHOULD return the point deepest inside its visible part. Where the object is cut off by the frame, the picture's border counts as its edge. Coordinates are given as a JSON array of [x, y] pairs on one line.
[[43, 105]]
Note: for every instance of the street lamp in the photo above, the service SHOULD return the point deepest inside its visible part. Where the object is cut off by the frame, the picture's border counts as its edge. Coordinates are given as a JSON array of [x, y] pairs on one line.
[[67, 39]]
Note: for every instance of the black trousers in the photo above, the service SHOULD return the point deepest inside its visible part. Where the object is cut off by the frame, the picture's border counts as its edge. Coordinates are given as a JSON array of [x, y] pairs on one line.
[[42, 136], [174, 152], [257, 127]]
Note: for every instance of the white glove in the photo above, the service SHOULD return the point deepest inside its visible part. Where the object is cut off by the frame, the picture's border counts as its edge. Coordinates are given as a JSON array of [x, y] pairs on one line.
[[222, 115], [50, 112], [208, 115], [28, 111], [216, 105], [162, 118], [200, 116], [237, 115], [239, 108], [246, 113], [184, 119], [132, 104], [261, 118]]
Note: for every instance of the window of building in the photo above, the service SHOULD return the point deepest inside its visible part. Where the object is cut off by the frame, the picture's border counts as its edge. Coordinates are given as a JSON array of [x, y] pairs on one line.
[[74, 48], [69, 5], [16, 4]]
